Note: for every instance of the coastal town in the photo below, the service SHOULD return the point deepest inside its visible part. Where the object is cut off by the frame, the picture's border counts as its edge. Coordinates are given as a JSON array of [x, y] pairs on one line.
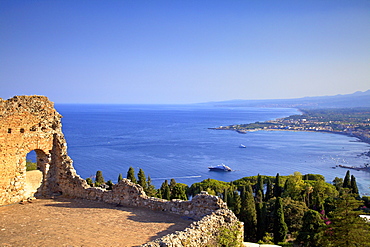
[[354, 122]]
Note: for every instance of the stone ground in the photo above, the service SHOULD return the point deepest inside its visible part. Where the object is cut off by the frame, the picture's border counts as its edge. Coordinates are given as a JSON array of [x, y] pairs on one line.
[[78, 222]]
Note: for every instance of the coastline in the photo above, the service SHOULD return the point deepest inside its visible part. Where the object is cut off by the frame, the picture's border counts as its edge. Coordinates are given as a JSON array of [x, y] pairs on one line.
[[365, 168], [245, 131], [348, 122]]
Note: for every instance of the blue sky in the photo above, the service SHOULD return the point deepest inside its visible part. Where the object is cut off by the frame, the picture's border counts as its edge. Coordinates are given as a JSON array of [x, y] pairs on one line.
[[155, 52]]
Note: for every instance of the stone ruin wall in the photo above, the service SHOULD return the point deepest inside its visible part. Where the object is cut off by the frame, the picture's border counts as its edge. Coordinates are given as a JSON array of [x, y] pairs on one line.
[[26, 124], [31, 123], [204, 232]]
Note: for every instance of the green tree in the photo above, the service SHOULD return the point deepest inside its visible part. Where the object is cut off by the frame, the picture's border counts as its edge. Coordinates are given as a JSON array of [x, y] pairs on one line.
[[269, 190], [347, 180], [261, 220], [172, 183], [230, 200], [159, 193], [347, 228], [179, 191], [249, 215], [259, 187], [224, 196], [119, 178], [237, 203], [338, 183], [354, 188], [90, 182], [321, 191], [131, 175], [277, 187], [150, 190], [293, 213], [280, 227], [99, 179], [294, 186], [259, 196], [311, 233], [307, 192], [211, 185], [110, 184], [142, 179], [165, 190]]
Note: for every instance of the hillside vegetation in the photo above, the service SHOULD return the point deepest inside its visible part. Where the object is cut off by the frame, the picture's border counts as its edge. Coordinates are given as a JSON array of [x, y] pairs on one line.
[[303, 209]]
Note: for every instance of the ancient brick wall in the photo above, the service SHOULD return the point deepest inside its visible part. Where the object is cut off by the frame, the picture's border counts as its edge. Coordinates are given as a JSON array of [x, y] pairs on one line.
[[31, 123]]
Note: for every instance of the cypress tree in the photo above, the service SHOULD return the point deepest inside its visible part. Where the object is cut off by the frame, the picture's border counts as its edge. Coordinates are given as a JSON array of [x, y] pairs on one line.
[[261, 220], [237, 203], [167, 193], [347, 180], [280, 227], [142, 179], [243, 204], [230, 200], [354, 187], [151, 191], [131, 175], [269, 190], [286, 185], [259, 187], [277, 187], [165, 190], [225, 196], [119, 178], [159, 193], [99, 179], [259, 196], [249, 216], [242, 193]]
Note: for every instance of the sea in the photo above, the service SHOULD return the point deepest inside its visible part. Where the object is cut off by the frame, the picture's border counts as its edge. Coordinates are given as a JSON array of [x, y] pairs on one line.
[[175, 141]]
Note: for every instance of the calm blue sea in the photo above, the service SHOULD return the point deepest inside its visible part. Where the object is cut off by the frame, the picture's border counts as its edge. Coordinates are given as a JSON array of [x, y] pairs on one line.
[[173, 141]]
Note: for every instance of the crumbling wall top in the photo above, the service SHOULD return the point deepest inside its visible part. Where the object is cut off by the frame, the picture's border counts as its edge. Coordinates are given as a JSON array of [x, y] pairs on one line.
[[35, 105]]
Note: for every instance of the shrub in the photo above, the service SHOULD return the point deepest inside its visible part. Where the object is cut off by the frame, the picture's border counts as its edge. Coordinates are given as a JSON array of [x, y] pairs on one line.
[[230, 237], [90, 182]]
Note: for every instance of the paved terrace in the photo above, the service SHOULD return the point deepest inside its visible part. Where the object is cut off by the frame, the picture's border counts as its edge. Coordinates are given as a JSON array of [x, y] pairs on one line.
[[78, 222]]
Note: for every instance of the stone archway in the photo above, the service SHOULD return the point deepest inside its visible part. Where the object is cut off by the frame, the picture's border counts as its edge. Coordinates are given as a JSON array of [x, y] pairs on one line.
[[31, 123], [36, 179]]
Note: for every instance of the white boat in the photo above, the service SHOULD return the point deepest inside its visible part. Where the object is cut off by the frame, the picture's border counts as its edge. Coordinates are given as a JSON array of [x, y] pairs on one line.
[[242, 146], [221, 167]]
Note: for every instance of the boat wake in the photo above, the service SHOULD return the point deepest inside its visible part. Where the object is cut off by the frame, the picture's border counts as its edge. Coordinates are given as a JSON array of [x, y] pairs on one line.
[[194, 176]]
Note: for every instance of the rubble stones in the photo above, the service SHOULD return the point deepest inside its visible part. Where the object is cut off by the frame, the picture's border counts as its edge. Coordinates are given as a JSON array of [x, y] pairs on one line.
[[204, 232]]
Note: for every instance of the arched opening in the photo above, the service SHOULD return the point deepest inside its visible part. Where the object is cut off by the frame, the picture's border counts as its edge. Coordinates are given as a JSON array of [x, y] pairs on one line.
[[36, 163]]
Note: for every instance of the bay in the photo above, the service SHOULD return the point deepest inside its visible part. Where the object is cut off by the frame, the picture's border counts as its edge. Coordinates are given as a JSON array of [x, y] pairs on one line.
[[173, 141]]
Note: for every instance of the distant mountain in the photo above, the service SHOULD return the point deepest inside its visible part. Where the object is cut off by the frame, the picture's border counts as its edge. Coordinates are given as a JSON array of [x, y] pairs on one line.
[[357, 99]]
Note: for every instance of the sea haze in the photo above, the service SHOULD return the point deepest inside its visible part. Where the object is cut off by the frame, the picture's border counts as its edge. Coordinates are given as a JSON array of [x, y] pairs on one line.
[[173, 141]]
